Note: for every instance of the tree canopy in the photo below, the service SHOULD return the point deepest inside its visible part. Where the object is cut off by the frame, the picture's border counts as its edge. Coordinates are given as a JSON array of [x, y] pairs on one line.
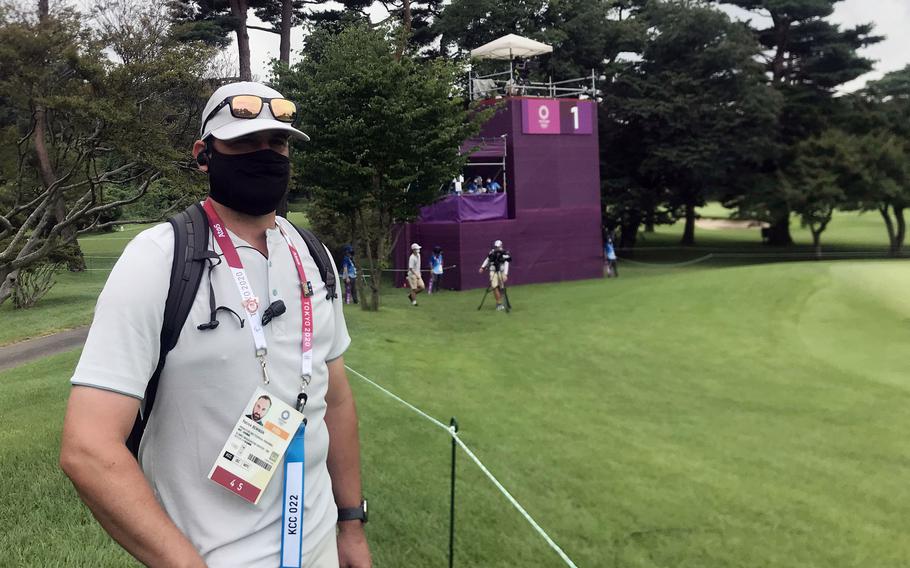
[[385, 134], [688, 117], [70, 126]]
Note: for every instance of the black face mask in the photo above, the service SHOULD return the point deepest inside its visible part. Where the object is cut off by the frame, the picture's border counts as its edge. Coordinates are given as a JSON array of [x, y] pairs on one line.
[[252, 183]]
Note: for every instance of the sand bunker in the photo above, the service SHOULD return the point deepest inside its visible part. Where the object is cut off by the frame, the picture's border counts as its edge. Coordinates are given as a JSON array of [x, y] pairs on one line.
[[724, 224]]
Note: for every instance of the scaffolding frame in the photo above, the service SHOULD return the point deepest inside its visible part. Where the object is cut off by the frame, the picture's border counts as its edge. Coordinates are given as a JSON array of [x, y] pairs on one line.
[[502, 139], [578, 87]]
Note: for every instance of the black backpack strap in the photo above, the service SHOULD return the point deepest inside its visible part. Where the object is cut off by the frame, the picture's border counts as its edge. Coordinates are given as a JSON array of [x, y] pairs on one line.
[[191, 242], [323, 262]]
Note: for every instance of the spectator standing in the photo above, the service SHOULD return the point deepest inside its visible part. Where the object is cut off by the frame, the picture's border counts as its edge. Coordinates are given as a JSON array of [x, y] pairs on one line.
[[612, 270], [435, 270], [349, 275], [415, 281]]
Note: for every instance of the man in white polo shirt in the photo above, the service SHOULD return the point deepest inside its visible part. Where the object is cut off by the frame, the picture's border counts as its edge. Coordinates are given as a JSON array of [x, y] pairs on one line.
[[175, 511]]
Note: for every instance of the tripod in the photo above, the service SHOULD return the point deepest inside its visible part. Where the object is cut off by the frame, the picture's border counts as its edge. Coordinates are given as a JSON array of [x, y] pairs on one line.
[[505, 296]]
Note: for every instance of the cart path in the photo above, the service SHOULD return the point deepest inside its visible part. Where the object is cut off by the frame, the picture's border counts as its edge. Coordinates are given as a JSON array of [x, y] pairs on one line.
[[16, 354]]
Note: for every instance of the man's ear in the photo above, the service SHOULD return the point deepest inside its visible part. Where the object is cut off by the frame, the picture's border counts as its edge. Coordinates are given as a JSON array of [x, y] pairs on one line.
[[201, 155]]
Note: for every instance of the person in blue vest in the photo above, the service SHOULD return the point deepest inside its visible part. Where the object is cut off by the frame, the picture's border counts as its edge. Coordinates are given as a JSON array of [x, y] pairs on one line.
[[435, 270], [610, 254], [349, 275], [493, 186]]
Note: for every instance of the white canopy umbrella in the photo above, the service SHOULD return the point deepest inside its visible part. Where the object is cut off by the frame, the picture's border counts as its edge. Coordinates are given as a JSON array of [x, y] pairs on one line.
[[510, 46]]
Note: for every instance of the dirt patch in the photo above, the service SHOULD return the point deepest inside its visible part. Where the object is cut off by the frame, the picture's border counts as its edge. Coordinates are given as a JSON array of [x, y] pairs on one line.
[[725, 224]]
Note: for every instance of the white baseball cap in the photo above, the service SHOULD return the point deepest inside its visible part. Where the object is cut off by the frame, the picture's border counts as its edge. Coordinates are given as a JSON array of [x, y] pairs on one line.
[[415, 246], [224, 126], [497, 243]]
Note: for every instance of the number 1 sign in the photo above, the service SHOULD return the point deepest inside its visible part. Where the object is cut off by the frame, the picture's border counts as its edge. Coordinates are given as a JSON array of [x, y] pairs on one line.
[[550, 116]]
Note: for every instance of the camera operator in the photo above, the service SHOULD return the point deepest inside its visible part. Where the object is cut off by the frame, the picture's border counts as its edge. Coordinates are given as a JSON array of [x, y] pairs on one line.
[[497, 262]]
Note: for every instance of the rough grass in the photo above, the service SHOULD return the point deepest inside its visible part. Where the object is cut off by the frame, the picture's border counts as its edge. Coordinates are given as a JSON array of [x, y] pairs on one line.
[[751, 417], [733, 417]]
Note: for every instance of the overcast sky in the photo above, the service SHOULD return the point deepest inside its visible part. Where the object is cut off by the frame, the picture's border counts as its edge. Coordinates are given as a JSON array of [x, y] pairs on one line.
[[891, 19]]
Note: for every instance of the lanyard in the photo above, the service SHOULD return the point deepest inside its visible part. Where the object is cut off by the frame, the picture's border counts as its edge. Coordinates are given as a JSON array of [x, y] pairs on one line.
[[251, 303], [292, 512], [306, 309]]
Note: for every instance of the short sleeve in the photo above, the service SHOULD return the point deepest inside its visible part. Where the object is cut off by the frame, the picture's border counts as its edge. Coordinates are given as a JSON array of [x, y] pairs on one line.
[[341, 340], [123, 343]]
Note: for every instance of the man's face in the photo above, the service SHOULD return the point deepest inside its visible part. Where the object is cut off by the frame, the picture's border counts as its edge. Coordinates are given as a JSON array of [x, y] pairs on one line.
[[276, 140], [260, 408]]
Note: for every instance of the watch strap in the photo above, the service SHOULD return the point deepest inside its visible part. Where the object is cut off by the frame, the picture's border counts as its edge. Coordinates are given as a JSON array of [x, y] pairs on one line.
[[353, 513]]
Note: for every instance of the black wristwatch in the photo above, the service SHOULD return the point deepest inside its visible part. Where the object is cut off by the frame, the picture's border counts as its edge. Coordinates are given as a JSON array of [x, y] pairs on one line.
[[354, 513]]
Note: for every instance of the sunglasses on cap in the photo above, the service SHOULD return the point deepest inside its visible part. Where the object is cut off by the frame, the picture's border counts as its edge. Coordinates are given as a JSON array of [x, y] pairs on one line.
[[250, 106]]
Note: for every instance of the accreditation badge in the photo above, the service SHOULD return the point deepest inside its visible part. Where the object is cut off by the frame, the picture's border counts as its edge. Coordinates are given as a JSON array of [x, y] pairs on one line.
[[256, 446]]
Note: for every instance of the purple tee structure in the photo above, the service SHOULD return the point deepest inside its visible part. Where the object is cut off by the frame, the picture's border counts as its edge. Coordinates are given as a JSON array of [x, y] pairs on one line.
[[550, 219]]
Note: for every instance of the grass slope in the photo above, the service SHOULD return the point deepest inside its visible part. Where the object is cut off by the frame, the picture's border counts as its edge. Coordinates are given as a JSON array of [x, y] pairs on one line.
[[704, 418], [734, 417], [43, 522]]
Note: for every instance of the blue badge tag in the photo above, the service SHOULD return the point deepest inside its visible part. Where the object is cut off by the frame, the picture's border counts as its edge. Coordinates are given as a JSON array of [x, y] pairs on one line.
[[292, 516]]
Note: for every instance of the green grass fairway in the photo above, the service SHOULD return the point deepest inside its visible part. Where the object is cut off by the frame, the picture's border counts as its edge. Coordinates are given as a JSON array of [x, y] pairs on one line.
[[737, 417], [847, 231], [43, 522]]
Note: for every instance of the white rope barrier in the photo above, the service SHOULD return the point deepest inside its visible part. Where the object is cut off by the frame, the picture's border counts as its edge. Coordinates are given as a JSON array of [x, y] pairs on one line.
[[668, 265], [476, 460]]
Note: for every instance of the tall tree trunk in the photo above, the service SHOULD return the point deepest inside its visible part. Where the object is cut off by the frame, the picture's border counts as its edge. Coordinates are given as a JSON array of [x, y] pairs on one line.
[[779, 231], [628, 234], [817, 242], [901, 230], [782, 41], [649, 221], [889, 225], [370, 304], [688, 238], [75, 261], [405, 28], [287, 16], [817, 230], [239, 12], [897, 229]]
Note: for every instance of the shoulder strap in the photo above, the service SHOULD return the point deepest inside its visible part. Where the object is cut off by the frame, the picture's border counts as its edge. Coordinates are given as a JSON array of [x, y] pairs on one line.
[[191, 241], [321, 257]]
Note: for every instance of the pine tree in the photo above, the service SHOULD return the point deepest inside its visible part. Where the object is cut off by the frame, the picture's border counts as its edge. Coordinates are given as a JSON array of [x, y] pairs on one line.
[[807, 59]]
